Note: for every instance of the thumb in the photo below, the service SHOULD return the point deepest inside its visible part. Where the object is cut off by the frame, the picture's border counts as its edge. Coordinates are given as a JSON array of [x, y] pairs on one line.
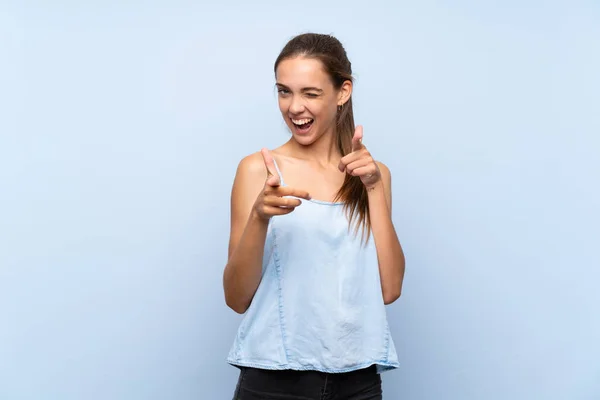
[[357, 138], [272, 175]]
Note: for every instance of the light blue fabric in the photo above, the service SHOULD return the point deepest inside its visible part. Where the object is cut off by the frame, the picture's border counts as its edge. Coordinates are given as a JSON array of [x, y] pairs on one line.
[[319, 305]]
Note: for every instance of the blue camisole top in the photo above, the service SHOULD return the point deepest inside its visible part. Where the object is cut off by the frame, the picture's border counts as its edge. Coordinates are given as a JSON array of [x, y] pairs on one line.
[[319, 304]]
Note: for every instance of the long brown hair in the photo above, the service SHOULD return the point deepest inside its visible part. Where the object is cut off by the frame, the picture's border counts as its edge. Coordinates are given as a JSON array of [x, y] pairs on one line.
[[332, 55]]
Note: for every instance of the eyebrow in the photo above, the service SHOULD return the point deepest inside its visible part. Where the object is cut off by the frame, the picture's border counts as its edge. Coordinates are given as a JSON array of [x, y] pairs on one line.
[[306, 89]]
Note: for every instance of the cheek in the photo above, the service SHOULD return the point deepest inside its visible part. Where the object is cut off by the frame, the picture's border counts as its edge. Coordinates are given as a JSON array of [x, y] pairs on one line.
[[324, 111], [327, 112], [282, 105]]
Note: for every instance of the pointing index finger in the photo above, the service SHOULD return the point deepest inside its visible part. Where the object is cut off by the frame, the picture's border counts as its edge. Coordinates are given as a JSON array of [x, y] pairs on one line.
[[302, 194], [357, 138]]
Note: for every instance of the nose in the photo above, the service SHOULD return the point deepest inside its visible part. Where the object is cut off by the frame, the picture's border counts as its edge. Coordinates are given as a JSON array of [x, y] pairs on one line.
[[296, 105]]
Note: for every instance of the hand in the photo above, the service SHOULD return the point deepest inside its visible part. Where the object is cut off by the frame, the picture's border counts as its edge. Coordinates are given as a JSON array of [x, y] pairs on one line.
[[360, 163], [271, 201]]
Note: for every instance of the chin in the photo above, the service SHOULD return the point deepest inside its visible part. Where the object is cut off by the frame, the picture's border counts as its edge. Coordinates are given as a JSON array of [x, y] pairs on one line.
[[305, 140]]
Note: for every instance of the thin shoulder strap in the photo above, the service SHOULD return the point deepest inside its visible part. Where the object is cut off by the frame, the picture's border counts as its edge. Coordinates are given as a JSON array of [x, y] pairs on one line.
[[282, 183]]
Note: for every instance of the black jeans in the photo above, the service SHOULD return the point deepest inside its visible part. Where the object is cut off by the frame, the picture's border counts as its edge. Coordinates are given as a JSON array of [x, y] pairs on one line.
[[261, 384]]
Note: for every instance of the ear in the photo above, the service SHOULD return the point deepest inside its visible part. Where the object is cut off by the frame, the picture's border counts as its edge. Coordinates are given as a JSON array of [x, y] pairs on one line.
[[345, 92]]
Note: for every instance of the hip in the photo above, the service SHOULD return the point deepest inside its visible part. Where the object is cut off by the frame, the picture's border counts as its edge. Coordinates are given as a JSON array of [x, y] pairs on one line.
[[256, 383]]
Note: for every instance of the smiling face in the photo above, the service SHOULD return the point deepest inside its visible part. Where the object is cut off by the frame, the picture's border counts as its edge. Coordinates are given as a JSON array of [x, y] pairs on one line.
[[308, 100]]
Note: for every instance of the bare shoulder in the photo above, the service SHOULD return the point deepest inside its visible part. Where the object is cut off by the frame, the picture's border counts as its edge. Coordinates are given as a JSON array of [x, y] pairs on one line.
[[251, 171], [385, 171], [252, 164]]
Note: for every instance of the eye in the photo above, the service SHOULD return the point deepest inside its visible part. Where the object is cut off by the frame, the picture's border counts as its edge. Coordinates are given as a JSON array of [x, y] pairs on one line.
[[283, 91], [312, 95]]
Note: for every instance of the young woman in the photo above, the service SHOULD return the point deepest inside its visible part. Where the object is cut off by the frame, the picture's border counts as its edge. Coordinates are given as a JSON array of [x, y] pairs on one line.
[[313, 254]]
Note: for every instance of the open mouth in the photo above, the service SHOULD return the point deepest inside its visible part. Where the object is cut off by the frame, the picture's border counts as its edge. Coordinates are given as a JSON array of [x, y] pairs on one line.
[[302, 125]]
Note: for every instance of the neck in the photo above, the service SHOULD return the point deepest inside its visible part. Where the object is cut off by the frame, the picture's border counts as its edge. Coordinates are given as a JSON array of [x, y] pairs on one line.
[[323, 150]]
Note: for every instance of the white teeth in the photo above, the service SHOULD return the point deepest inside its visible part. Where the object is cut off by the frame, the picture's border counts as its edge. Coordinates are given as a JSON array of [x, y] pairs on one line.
[[301, 121]]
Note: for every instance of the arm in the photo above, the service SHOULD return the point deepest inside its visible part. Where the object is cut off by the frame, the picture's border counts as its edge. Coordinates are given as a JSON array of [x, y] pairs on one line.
[[377, 180], [389, 251], [242, 273], [253, 202]]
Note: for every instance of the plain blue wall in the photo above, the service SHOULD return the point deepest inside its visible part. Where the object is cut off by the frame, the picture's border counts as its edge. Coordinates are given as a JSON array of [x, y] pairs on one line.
[[122, 125]]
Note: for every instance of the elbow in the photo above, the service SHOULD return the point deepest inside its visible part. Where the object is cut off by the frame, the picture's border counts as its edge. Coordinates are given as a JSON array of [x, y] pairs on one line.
[[236, 305], [392, 287], [238, 308], [391, 296], [232, 298]]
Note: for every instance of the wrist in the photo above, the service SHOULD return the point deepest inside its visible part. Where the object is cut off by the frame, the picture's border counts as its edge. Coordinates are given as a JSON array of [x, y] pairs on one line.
[[377, 187], [256, 218]]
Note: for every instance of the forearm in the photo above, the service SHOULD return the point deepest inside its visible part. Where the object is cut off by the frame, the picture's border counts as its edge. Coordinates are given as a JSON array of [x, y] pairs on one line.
[[243, 271], [389, 250]]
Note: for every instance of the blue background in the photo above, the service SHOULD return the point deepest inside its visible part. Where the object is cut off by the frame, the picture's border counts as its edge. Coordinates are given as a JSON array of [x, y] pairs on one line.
[[121, 125]]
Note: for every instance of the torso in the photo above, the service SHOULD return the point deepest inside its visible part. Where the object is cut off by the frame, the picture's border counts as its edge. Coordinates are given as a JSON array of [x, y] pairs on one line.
[[319, 304], [321, 181]]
